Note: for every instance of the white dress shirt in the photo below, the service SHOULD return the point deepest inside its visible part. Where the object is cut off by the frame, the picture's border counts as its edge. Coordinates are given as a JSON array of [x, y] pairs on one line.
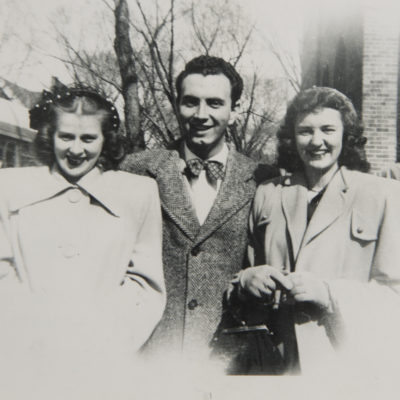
[[202, 192]]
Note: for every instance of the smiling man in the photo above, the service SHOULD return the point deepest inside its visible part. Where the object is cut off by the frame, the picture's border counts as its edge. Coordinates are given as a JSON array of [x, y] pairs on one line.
[[206, 188]]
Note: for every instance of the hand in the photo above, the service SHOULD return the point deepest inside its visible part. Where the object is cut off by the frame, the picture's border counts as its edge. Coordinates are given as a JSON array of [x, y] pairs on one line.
[[263, 280], [307, 287]]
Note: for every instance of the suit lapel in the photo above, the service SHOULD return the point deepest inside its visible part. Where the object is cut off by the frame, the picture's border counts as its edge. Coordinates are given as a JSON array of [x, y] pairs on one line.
[[294, 204], [236, 190], [329, 209], [174, 195]]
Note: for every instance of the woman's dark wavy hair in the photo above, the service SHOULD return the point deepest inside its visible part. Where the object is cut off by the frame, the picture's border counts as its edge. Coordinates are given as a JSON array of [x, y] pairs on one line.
[[352, 155], [43, 118]]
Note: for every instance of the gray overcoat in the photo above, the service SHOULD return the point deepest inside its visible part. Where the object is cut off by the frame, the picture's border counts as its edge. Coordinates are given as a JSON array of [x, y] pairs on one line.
[[199, 261]]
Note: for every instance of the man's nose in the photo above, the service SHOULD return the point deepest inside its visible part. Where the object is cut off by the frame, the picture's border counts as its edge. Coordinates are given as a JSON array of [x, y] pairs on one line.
[[201, 111]]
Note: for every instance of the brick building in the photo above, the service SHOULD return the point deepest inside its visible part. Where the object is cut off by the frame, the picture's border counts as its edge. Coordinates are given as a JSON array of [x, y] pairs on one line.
[[357, 52]]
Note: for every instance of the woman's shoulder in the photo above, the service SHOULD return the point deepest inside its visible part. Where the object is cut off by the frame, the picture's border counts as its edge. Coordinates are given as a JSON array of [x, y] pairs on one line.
[[21, 174], [268, 194], [129, 181], [372, 186]]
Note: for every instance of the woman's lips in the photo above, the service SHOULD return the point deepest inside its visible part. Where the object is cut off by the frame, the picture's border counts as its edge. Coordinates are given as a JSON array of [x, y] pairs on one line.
[[317, 153], [75, 162]]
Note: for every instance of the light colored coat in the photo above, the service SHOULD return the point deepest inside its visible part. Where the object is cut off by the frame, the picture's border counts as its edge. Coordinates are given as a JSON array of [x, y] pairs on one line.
[[95, 244], [353, 243]]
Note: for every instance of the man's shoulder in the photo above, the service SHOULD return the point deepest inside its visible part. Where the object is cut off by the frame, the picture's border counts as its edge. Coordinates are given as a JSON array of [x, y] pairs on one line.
[[261, 171], [143, 161]]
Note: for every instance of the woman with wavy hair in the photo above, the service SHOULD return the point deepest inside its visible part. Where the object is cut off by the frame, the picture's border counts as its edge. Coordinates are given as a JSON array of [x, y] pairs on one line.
[[325, 272], [80, 242]]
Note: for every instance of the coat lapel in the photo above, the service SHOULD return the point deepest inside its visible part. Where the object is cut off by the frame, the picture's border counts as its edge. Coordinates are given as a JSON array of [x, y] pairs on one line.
[[175, 198], [236, 190], [330, 207], [294, 204]]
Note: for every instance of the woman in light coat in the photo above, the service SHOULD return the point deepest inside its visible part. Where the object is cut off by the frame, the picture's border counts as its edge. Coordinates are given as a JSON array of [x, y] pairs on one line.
[[325, 251], [80, 242]]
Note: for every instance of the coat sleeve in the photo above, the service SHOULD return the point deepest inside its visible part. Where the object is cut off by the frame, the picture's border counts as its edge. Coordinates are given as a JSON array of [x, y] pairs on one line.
[[137, 163], [243, 307], [141, 298], [366, 317]]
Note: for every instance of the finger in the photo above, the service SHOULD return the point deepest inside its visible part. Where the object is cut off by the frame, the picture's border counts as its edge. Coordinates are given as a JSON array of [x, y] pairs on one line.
[[300, 289], [255, 292], [259, 289], [302, 297], [267, 291], [284, 281], [270, 284], [295, 278]]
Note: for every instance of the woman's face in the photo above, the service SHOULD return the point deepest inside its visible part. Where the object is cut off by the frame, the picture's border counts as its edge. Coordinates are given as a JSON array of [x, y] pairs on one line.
[[319, 137], [78, 142]]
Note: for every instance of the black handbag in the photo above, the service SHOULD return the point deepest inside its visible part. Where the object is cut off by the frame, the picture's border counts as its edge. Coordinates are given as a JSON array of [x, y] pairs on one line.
[[247, 350]]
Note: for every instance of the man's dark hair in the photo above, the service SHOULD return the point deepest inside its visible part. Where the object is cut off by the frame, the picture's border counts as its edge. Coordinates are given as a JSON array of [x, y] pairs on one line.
[[208, 65], [308, 101]]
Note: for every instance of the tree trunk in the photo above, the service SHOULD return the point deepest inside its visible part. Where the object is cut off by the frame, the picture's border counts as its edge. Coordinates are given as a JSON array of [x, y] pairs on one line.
[[127, 66]]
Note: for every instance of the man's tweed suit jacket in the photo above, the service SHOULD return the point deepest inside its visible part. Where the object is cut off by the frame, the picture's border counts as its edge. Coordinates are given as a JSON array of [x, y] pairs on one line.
[[199, 261]]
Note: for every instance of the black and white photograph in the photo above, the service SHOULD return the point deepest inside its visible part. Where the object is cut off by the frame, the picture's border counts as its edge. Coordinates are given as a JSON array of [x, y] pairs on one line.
[[199, 199]]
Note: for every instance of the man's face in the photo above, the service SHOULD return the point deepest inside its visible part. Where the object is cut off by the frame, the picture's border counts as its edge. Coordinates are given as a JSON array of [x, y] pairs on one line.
[[205, 110]]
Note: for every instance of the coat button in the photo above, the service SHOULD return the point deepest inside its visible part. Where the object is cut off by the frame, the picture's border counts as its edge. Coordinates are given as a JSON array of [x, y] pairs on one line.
[[193, 304], [359, 230], [69, 251], [195, 251], [74, 195]]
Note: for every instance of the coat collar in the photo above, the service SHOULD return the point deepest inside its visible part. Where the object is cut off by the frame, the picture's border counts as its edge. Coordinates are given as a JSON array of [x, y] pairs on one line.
[[175, 198], [43, 183], [294, 203], [236, 189]]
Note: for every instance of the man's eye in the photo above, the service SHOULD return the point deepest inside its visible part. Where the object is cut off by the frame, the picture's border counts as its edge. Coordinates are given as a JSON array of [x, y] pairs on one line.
[[187, 102], [215, 103]]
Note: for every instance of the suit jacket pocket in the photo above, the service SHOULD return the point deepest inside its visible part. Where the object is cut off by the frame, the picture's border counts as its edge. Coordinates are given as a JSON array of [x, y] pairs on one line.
[[363, 227]]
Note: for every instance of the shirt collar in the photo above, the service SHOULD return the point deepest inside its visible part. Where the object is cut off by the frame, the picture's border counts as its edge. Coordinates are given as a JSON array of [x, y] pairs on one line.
[[46, 183], [221, 156]]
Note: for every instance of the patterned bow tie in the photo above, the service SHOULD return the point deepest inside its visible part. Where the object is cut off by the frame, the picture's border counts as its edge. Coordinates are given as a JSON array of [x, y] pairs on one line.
[[214, 169]]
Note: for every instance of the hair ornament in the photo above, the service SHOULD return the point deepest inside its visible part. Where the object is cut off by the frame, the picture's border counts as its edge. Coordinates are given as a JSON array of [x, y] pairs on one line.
[[39, 112]]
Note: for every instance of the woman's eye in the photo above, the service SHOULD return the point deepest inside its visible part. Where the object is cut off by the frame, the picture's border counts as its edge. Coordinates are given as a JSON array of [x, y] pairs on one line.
[[304, 132], [88, 139]]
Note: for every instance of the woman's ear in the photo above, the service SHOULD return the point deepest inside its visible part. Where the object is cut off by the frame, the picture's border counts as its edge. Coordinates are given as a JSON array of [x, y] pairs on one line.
[[234, 113]]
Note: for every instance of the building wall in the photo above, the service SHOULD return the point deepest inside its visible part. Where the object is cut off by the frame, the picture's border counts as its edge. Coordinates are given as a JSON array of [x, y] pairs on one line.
[[380, 85], [332, 52]]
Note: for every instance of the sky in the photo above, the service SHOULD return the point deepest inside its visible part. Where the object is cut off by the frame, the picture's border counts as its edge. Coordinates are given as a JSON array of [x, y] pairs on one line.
[[36, 22], [24, 21]]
